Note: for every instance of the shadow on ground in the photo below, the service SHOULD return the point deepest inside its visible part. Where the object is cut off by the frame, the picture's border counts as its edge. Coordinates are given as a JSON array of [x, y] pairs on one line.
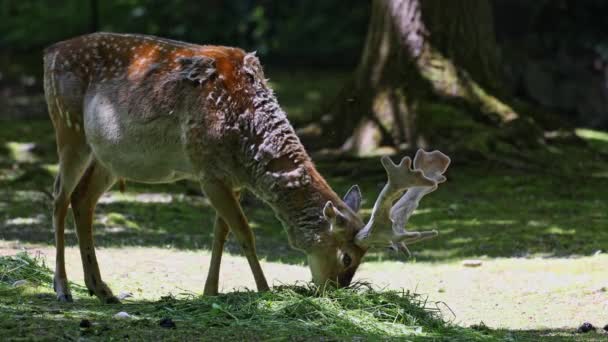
[[485, 209]]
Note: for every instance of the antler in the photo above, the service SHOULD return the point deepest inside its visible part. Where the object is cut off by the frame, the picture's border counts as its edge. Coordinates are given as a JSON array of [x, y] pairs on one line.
[[427, 174]]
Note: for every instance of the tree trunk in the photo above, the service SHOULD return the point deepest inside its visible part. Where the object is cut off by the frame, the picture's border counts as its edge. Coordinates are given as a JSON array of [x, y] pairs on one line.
[[418, 51]]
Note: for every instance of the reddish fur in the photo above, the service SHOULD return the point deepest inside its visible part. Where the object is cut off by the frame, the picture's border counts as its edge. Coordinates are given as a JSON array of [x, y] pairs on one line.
[[101, 57], [120, 55]]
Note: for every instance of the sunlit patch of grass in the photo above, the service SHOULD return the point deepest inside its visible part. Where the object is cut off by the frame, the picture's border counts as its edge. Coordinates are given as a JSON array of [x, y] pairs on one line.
[[21, 152], [460, 241], [597, 139], [53, 169], [422, 211], [560, 231], [592, 134], [19, 221], [118, 219]]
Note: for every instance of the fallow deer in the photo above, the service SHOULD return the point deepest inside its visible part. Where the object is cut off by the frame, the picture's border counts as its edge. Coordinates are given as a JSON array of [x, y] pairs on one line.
[[147, 109]]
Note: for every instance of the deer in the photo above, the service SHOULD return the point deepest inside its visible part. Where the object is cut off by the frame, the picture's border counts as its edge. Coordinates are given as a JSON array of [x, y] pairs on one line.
[[138, 108]]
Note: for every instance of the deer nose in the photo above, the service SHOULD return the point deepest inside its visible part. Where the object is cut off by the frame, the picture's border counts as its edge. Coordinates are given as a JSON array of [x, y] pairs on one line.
[[346, 277]]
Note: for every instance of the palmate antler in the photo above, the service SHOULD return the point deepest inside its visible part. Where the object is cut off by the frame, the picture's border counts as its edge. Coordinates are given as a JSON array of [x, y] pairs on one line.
[[386, 227]]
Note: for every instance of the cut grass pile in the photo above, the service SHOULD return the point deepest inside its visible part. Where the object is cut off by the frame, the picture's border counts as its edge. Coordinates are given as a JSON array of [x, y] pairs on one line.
[[22, 267], [300, 312]]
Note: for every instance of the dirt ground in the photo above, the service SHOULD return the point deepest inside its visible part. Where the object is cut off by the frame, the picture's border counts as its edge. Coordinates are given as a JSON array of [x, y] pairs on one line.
[[517, 293]]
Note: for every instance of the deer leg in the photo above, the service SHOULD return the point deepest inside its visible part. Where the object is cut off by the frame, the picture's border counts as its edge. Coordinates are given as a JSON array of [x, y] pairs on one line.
[[220, 233], [227, 205], [93, 184], [72, 163]]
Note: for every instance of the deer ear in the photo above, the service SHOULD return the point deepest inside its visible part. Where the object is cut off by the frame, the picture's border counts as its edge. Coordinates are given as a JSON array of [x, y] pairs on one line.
[[197, 69], [353, 198], [330, 212]]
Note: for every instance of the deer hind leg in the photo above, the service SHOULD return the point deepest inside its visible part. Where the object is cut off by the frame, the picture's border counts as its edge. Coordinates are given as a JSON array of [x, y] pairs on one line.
[[93, 184], [64, 95], [228, 208], [72, 162]]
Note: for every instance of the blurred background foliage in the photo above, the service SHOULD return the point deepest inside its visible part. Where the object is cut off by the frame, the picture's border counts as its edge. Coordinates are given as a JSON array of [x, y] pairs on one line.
[[287, 32], [554, 53]]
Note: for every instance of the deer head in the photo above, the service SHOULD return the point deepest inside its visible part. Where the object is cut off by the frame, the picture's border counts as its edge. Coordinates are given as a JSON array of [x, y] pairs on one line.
[[352, 238]]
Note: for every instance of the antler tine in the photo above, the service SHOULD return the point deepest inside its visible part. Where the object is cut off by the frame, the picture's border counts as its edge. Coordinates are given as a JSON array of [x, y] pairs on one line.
[[400, 177], [433, 165], [401, 246], [422, 180]]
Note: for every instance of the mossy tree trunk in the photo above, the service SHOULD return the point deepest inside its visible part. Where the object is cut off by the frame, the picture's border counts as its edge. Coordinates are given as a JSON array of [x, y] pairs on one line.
[[416, 52]]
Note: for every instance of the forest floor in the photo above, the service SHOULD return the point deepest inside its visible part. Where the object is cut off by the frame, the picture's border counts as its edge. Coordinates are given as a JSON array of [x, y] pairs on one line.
[[540, 232]]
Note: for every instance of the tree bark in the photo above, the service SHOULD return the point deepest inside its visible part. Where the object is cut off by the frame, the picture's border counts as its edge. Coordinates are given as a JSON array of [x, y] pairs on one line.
[[418, 51]]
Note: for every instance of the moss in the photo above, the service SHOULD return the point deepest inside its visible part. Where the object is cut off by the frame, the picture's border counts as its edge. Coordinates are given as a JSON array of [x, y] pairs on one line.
[[444, 125], [449, 81]]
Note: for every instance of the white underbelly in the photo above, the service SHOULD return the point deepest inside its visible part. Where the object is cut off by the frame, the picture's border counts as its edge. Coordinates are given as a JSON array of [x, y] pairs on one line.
[[144, 151]]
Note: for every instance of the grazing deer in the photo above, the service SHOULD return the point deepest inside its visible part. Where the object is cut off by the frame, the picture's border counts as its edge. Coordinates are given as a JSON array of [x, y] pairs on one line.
[[146, 109]]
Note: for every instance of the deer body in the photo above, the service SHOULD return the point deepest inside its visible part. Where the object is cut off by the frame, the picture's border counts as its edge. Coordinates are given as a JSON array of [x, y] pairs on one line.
[[153, 110]]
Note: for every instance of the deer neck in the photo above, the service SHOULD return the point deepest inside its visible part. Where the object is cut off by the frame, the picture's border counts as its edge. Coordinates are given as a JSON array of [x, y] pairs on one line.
[[300, 210], [278, 170]]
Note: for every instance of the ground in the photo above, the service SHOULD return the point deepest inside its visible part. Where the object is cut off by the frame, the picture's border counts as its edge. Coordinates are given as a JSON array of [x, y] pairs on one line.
[[539, 229]]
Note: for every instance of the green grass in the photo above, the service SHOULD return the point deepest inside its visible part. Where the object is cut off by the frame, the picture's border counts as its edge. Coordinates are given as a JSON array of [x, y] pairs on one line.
[[597, 139], [297, 312]]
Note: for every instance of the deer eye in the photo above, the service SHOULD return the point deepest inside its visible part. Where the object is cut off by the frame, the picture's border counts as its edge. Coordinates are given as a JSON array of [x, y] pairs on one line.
[[250, 77], [346, 260]]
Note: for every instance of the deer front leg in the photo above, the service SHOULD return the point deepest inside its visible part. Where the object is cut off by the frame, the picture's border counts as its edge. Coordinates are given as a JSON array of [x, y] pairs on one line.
[[93, 184], [220, 233], [228, 208]]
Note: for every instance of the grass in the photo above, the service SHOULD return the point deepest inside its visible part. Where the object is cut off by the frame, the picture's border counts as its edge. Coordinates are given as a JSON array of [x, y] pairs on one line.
[[296, 312]]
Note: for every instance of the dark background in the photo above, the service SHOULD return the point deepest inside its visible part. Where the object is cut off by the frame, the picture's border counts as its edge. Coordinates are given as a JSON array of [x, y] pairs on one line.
[[554, 53]]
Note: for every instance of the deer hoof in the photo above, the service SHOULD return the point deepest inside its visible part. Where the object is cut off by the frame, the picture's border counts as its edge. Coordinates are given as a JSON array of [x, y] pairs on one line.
[[111, 300], [65, 298]]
